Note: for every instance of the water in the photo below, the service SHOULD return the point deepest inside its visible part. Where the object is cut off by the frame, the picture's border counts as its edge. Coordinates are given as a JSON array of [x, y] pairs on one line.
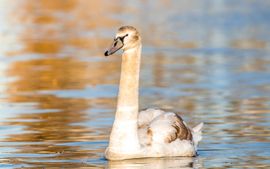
[[209, 60]]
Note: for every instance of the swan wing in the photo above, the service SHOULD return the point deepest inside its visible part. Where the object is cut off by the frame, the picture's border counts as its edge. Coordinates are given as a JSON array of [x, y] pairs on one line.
[[168, 127], [146, 116]]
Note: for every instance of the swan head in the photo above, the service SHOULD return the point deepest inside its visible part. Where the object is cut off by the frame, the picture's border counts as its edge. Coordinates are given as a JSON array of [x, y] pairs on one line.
[[126, 38]]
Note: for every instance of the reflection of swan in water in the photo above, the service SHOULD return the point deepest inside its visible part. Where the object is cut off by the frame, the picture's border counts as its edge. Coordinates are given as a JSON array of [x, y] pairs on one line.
[[156, 163], [149, 133]]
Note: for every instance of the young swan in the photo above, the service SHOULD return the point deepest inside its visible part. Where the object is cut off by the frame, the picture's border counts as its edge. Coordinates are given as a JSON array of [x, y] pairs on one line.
[[149, 133]]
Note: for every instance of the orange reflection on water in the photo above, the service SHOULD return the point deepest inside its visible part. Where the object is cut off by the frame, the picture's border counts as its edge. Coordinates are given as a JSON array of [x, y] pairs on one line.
[[50, 28], [190, 65]]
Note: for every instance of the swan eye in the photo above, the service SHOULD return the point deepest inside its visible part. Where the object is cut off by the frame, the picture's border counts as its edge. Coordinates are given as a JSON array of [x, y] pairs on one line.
[[123, 37]]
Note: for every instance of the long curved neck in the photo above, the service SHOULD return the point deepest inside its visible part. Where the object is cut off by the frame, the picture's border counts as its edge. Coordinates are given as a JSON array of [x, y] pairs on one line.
[[129, 85], [124, 135]]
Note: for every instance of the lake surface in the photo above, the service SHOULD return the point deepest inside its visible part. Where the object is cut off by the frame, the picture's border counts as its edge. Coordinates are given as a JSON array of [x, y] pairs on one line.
[[207, 60]]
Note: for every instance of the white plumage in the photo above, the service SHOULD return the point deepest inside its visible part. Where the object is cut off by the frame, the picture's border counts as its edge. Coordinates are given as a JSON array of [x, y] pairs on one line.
[[165, 130], [149, 133]]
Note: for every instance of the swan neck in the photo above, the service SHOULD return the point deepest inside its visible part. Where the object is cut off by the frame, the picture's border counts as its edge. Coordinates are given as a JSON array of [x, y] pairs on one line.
[[129, 83], [124, 135]]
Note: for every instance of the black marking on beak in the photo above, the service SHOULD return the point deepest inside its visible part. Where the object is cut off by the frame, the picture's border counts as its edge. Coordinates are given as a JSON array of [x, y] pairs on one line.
[[106, 53], [118, 43]]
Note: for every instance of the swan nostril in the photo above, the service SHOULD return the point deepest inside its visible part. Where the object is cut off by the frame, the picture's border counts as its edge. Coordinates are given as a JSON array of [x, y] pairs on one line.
[[115, 44]]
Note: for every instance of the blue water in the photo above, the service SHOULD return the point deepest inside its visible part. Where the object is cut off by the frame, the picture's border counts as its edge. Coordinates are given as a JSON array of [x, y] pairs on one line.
[[207, 60]]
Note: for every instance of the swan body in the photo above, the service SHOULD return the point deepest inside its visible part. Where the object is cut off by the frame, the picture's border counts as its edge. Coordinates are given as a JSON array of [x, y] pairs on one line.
[[149, 133]]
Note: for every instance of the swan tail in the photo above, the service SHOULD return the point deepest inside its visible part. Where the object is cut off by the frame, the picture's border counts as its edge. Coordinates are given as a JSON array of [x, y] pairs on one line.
[[197, 134]]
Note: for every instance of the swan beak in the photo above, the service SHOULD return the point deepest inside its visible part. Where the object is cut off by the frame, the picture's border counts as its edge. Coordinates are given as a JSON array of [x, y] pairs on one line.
[[117, 44]]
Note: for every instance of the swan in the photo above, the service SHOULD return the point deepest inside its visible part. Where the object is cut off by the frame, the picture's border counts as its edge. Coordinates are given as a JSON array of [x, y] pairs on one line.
[[151, 132]]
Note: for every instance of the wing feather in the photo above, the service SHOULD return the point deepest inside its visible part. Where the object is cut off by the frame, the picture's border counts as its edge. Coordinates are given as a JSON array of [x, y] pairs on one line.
[[181, 130], [166, 128]]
